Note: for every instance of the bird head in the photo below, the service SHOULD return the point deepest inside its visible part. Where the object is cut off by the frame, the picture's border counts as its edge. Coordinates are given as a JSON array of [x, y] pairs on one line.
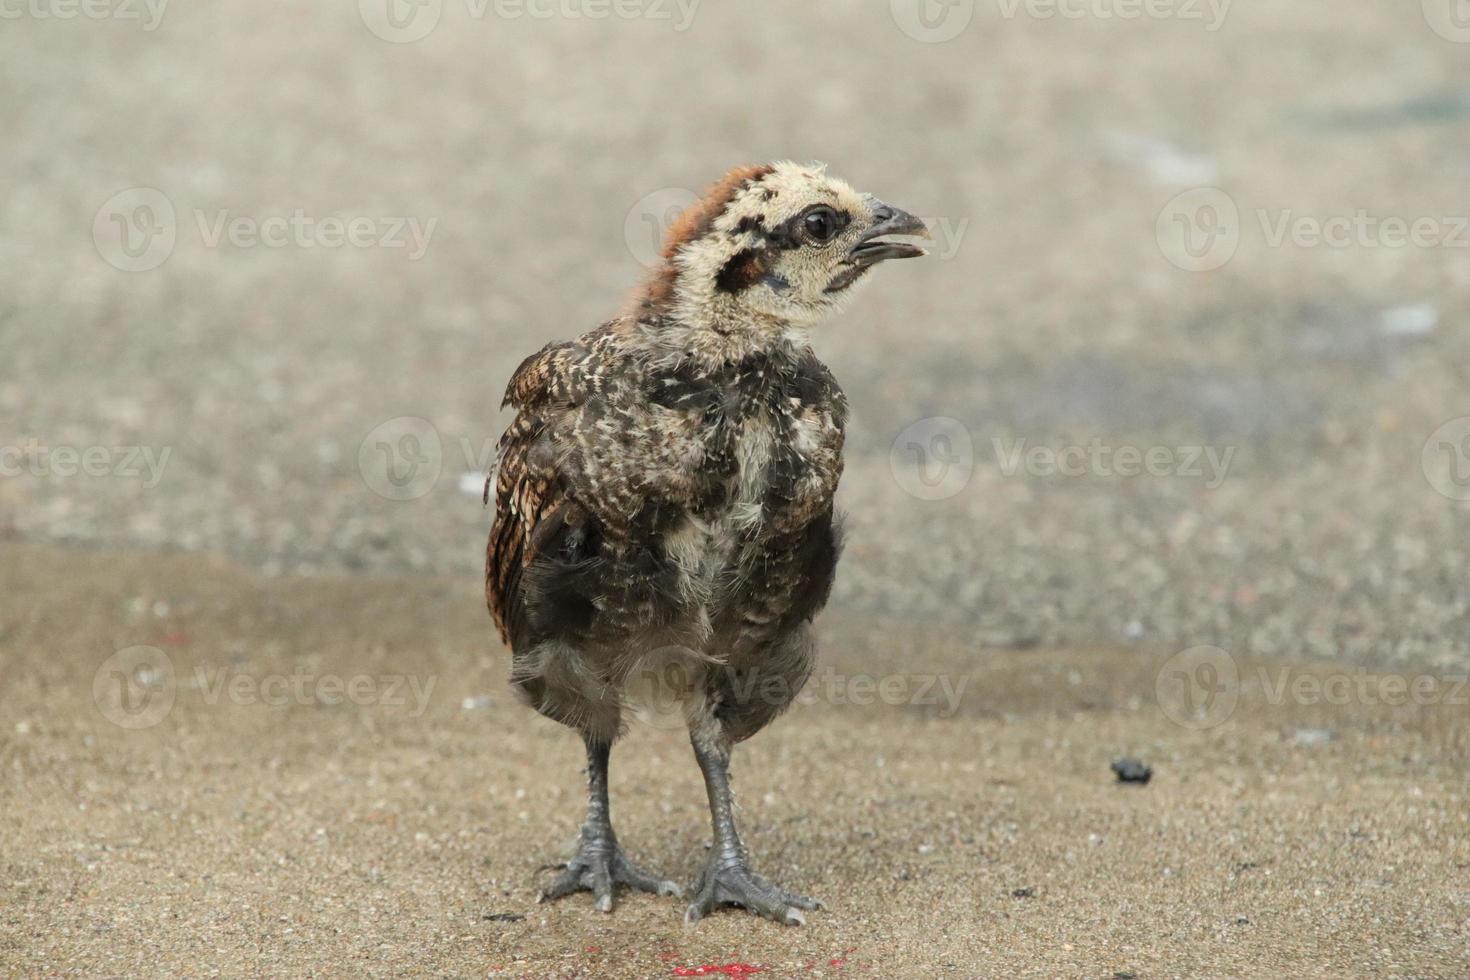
[[775, 246]]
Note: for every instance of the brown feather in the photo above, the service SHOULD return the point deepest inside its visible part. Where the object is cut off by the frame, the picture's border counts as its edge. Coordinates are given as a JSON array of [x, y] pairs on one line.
[[525, 492], [693, 223]]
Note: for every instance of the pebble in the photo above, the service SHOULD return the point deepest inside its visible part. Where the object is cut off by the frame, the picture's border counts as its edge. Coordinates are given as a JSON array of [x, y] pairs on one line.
[[1132, 771]]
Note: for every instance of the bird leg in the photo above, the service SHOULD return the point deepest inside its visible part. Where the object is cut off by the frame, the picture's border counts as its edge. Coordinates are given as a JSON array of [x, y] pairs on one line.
[[599, 863], [727, 878]]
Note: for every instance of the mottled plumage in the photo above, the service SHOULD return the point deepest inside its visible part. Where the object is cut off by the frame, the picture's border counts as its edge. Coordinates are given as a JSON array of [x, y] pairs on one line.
[[663, 497]]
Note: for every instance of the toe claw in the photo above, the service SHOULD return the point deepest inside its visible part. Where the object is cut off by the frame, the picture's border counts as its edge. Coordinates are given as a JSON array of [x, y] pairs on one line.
[[600, 870], [736, 885]]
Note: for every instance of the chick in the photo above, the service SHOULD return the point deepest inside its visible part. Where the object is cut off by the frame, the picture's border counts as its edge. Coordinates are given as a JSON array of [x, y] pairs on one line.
[[663, 500]]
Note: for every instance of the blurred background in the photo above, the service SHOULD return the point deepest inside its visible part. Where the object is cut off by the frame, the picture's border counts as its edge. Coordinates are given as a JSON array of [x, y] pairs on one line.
[[290, 253]]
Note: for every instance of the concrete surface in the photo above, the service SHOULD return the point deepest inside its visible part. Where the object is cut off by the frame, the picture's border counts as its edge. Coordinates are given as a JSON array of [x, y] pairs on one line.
[[545, 151]]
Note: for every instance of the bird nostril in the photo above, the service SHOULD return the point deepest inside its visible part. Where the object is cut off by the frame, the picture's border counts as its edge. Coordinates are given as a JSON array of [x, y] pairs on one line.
[[882, 213]]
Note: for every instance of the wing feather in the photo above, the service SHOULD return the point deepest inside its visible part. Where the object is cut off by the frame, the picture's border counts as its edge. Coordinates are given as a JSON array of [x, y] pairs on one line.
[[529, 496]]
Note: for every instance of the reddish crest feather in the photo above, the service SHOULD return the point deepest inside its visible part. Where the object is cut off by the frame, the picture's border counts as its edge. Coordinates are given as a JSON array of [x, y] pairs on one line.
[[691, 224]]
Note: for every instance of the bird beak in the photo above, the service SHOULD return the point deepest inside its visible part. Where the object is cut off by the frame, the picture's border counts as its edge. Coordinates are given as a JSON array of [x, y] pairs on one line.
[[888, 220]]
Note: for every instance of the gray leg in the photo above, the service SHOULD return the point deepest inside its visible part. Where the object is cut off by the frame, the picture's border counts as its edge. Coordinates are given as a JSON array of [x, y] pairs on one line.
[[727, 878], [599, 863]]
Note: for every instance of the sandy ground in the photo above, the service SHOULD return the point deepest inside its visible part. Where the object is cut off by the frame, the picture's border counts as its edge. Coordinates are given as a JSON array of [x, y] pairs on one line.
[[255, 827]]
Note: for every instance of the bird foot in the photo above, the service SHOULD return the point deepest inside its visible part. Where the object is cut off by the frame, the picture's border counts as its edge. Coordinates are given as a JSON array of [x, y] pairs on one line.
[[598, 866], [738, 885]]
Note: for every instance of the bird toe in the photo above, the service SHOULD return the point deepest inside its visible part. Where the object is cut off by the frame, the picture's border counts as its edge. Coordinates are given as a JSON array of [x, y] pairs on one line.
[[738, 886]]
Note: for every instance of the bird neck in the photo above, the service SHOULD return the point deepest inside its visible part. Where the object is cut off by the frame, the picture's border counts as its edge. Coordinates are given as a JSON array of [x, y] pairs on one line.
[[672, 340], [686, 318]]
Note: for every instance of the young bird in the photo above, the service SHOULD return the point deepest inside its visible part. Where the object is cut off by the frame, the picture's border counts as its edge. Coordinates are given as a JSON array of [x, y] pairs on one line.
[[663, 500]]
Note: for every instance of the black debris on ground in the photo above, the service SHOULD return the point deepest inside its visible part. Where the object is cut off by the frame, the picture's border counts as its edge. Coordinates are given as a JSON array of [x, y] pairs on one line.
[[1132, 771]]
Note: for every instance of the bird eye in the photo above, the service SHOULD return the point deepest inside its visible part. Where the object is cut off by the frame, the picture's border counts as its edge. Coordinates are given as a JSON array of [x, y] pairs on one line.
[[820, 224]]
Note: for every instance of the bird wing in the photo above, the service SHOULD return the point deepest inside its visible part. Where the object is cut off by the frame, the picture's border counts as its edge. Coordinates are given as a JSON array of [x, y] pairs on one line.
[[530, 498]]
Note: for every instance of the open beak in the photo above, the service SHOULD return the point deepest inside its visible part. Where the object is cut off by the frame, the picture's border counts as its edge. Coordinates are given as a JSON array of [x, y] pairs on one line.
[[872, 248], [888, 220]]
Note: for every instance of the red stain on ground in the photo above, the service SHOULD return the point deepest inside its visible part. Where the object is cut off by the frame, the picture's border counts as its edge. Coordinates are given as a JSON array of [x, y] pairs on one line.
[[837, 961], [729, 970], [176, 639]]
